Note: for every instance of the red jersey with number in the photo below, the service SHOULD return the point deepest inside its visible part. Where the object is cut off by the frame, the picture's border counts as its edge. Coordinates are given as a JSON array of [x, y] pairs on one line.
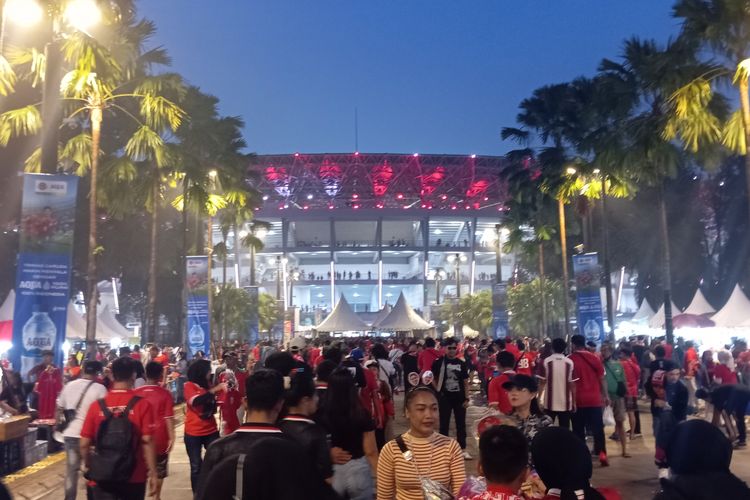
[[163, 406], [527, 364], [141, 416]]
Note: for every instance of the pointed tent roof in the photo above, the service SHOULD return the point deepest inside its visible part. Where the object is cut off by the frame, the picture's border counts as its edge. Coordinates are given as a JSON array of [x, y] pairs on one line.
[[108, 318], [342, 319], [103, 332], [6, 310], [645, 312], [699, 305], [658, 319], [75, 325], [403, 318], [735, 312], [381, 315]]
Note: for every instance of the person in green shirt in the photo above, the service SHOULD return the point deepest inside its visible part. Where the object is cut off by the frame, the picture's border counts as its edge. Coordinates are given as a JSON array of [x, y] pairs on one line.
[[617, 389]]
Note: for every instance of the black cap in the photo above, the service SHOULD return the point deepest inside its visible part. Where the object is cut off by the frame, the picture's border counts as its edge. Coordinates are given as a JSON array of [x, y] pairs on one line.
[[230, 354], [521, 382]]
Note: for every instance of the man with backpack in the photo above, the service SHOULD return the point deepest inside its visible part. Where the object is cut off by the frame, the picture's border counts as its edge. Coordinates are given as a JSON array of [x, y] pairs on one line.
[[120, 428], [72, 404]]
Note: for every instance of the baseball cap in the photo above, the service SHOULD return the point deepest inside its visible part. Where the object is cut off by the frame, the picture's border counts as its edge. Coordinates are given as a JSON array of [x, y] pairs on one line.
[[521, 382]]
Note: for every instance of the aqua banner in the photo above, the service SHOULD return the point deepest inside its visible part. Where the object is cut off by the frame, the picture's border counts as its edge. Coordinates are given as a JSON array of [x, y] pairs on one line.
[[253, 321], [196, 285], [500, 326], [589, 299], [44, 265]]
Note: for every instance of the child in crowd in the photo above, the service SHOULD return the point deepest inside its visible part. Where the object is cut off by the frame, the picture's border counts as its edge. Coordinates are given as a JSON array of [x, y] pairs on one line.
[[503, 459]]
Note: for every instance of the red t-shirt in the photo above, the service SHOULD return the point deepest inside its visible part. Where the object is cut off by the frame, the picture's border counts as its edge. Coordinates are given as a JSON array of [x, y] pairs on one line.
[[194, 424], [589, 371], [511, 348], [527, 364], [163, 359], [136, 356], [142, 417], [496, 393], [163, 406], [426, 358], [314, 355], [724, 374]]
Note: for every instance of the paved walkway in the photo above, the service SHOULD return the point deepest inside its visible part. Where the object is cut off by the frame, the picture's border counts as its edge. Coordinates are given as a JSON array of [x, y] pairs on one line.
[[634, 477]]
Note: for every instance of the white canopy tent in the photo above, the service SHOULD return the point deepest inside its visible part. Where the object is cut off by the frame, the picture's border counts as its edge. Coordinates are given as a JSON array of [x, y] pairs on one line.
[[103, 332], [6, 310], [658, 319], [381, 315], [699, 305], [108, 318], [403, 318], [75, 325], [342, 319], [644, 314], [735, 312]]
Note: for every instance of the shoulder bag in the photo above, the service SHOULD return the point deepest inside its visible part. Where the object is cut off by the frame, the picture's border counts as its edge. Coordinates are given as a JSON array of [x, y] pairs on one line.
[[69, 415]]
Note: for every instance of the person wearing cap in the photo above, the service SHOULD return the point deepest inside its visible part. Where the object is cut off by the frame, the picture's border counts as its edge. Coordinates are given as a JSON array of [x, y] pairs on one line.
[[451, 382], [529, 417]]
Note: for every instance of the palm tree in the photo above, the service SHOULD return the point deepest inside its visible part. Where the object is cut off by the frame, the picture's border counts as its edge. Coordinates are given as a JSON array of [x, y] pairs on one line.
[[104, 77], [721, 26]]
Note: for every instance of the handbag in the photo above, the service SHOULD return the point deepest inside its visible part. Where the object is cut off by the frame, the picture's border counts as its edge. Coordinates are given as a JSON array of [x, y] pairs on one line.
[[70, 415], [431, 489]]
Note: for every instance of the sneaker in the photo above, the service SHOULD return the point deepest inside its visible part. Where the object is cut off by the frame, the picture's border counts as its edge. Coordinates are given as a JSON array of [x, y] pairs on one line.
[[663, 473], [637, 435], [603, 460], [467, 456], [740, 445]]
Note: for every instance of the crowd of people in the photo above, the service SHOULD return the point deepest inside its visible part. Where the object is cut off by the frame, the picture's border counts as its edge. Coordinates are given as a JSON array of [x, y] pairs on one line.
[[326, 409]]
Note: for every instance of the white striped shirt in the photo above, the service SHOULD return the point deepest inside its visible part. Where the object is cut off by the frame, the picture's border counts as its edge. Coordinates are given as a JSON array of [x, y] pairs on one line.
[[557, 371]]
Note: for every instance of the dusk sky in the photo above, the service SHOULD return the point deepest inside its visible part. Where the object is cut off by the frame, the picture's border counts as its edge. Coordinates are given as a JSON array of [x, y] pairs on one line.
[[428, 76]]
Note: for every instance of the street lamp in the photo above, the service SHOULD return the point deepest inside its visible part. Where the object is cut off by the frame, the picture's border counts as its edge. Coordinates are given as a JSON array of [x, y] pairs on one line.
[[294, 276], [499, 234], [80, 15], [278, 277], [439, 276], [457, 259]]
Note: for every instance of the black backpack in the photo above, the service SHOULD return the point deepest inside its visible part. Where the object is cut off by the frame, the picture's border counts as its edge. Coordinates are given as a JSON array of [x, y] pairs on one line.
[[113, 459]]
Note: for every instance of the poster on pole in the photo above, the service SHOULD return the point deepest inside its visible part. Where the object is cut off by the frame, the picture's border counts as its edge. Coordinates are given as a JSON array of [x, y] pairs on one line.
[[44, 268], [253, 325], [588, 297], [500, 326], [196, 286]]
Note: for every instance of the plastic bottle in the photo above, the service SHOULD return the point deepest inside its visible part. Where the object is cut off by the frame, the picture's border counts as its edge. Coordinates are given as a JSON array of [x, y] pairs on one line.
[[591, 331], [196, 339], [39, 334]]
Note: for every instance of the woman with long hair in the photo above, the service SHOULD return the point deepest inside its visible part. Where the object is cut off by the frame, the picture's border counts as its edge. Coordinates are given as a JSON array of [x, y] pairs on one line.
[[529, 417], [200, 424], [421, 457], [352, 430]]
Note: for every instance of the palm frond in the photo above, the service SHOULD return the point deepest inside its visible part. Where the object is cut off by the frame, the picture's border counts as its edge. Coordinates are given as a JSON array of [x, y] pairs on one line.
[[19, 122], [78, 150], [8, 77], [146, 145], [733, 134]]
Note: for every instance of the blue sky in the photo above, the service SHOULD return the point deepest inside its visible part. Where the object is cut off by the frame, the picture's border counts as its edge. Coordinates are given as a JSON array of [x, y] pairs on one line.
[[428, 76]]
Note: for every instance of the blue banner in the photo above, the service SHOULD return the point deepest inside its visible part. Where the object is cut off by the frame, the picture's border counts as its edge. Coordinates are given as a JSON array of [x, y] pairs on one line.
[[500, 326], [589, 300], [198, 325], [43, 273]]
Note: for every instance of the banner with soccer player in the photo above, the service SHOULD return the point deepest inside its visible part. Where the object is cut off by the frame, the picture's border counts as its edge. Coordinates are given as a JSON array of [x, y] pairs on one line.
[[590, 321]]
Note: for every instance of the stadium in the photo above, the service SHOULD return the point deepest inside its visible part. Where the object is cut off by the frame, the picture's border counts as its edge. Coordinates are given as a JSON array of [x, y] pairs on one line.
[[371, 226]]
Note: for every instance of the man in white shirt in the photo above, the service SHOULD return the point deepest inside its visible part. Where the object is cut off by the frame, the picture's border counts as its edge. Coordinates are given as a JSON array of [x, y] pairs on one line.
[[78, 395], [558, 385]]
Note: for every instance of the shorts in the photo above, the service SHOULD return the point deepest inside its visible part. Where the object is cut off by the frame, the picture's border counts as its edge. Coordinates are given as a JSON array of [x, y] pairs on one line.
[[618, 409], [161, 465], [631, 403]]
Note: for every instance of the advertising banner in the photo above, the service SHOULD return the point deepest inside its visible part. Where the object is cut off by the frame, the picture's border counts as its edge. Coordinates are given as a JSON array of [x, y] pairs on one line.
[[196, 286], [44, 264], [253, 325], [589, 300], [500, 326]]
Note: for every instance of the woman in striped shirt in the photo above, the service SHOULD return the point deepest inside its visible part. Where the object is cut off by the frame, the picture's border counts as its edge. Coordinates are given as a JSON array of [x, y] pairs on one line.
[[433, 456]]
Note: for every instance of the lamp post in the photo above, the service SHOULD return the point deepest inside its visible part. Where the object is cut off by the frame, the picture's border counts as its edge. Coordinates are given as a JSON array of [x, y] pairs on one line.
[[439, 276], [278, 278], [498, 254], [293, 276]]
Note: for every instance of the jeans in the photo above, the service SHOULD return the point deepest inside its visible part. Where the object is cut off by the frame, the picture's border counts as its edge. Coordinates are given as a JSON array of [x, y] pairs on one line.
[[72, 466], [353, 480], [194, 445], [120, 491], [591, 419], [563, 418], [454, 404]]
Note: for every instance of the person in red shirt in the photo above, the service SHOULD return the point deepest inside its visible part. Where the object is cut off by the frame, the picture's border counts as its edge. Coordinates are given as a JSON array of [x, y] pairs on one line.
[[591, 396], [200, 406], [136, 354], [229, 401], [163, 405], [512, 348], [141, 415], [722, 373], [632, 377], [428, 356], [527, 363], [49, 384], [503, 461], [496, 395], [691, 369]]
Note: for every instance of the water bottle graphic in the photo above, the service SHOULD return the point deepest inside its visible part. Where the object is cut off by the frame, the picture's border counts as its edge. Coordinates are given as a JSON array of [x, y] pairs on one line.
[[591, 330], [39, 334], [196, 338]]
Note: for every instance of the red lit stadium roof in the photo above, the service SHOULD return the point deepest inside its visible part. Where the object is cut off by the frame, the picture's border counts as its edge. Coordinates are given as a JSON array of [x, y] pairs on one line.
[[379, 181]]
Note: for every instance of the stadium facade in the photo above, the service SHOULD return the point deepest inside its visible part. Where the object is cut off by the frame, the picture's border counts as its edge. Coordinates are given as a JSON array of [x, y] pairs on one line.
[[371, 226]]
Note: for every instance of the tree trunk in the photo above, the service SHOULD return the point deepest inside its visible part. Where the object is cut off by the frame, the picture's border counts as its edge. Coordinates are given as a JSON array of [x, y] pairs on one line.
[[183, 257], [564, 252], [745, 106], [152, 319], [605, 258], [667, 266], [541, 290], [93, 298], [210, 252], [223, 330]]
